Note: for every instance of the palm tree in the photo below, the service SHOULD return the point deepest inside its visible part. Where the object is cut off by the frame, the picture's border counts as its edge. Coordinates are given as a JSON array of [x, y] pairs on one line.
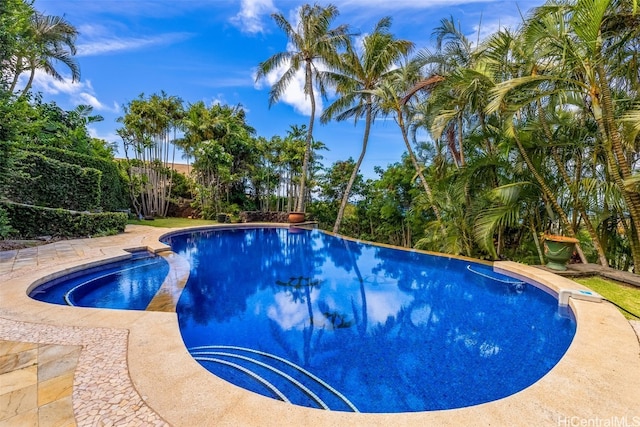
[[52, 40], [312, 42], [222, 145], [390, 95], [292, 158], [356, 75], [85, 114], [15, 18], [454, 84], [148, 128], [457, 82]]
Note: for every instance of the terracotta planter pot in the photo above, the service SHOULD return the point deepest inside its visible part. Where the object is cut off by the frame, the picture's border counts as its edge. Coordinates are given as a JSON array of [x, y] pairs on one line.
[[296, 217], [558, 251]]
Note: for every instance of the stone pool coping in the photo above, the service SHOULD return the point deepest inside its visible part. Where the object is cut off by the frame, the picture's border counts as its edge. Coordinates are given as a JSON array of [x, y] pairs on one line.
[[596, 380]]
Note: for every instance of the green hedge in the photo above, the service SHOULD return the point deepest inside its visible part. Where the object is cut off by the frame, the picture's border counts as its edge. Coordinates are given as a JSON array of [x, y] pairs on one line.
[[39, 180], [33, 221], [113, 185]]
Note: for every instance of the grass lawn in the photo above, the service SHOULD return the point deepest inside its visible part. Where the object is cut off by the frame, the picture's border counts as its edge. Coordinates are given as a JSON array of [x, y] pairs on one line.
[[172, 222], [626, 296]]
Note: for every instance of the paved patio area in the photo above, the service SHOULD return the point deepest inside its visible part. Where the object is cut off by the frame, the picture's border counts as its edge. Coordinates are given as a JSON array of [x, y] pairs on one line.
[[92, 367]]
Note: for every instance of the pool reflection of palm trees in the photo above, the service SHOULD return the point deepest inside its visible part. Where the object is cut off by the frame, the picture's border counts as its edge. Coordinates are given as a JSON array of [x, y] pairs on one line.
[[242, 261], [296, 286], [327, 305], [353, 251], [343, 254]]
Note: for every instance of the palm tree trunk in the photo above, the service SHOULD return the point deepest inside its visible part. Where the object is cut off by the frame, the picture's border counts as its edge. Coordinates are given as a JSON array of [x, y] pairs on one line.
[[607, 126], [461, 141], [354, 173], [16, 75], [173, 164], [536, 241], [307, 151], [549, 195], [490, 149], [414, 160], [26, 88], [602, 257]]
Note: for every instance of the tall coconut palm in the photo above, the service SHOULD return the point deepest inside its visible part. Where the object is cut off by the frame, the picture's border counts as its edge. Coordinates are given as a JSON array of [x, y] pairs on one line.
[[390, 94], [355, 76], [52, 40], [312, 42], [454, 84]]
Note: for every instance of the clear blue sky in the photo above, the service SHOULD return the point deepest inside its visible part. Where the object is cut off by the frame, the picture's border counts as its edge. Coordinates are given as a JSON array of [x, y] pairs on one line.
[[208, 50]]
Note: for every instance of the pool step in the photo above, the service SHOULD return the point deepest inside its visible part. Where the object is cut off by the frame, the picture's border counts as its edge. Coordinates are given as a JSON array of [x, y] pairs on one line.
[[282, 375]]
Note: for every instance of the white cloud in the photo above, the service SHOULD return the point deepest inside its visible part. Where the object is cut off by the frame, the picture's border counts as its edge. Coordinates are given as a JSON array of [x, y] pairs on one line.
[[219, 100], [250, 17], [78, 93], [294, 94], [108, 44], [359, 42], [90, 99], [111, 137]]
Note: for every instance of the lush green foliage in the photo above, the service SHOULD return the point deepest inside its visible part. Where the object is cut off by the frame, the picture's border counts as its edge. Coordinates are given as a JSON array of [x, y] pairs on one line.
[[35, 42], [6, 160], [82, 178], [28, 120], [41, 181], [15, 26], [220, 142], [33, 221], [534, 129], [383, 210], [528, 133]]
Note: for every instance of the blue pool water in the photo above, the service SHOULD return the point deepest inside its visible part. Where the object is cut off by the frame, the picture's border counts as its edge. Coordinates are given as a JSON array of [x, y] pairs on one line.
[[129, 284], [319, 321]]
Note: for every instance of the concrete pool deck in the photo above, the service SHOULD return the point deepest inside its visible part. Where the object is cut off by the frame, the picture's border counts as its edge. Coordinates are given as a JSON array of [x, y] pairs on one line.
[[94, 367]]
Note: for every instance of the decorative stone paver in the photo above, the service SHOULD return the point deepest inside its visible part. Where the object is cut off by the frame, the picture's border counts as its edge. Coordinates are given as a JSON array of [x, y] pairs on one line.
[[103, 394]]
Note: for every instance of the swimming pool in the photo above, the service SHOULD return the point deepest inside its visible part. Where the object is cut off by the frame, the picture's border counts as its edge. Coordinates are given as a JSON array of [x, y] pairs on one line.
[[129, 284], [319, 321]]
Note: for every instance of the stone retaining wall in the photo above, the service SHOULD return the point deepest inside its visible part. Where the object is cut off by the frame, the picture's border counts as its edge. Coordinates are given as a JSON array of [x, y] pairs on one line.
[[258, 216]]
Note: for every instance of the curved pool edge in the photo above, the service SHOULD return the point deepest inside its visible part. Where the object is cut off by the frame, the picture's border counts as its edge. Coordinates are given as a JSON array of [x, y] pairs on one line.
[[593, 381]]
